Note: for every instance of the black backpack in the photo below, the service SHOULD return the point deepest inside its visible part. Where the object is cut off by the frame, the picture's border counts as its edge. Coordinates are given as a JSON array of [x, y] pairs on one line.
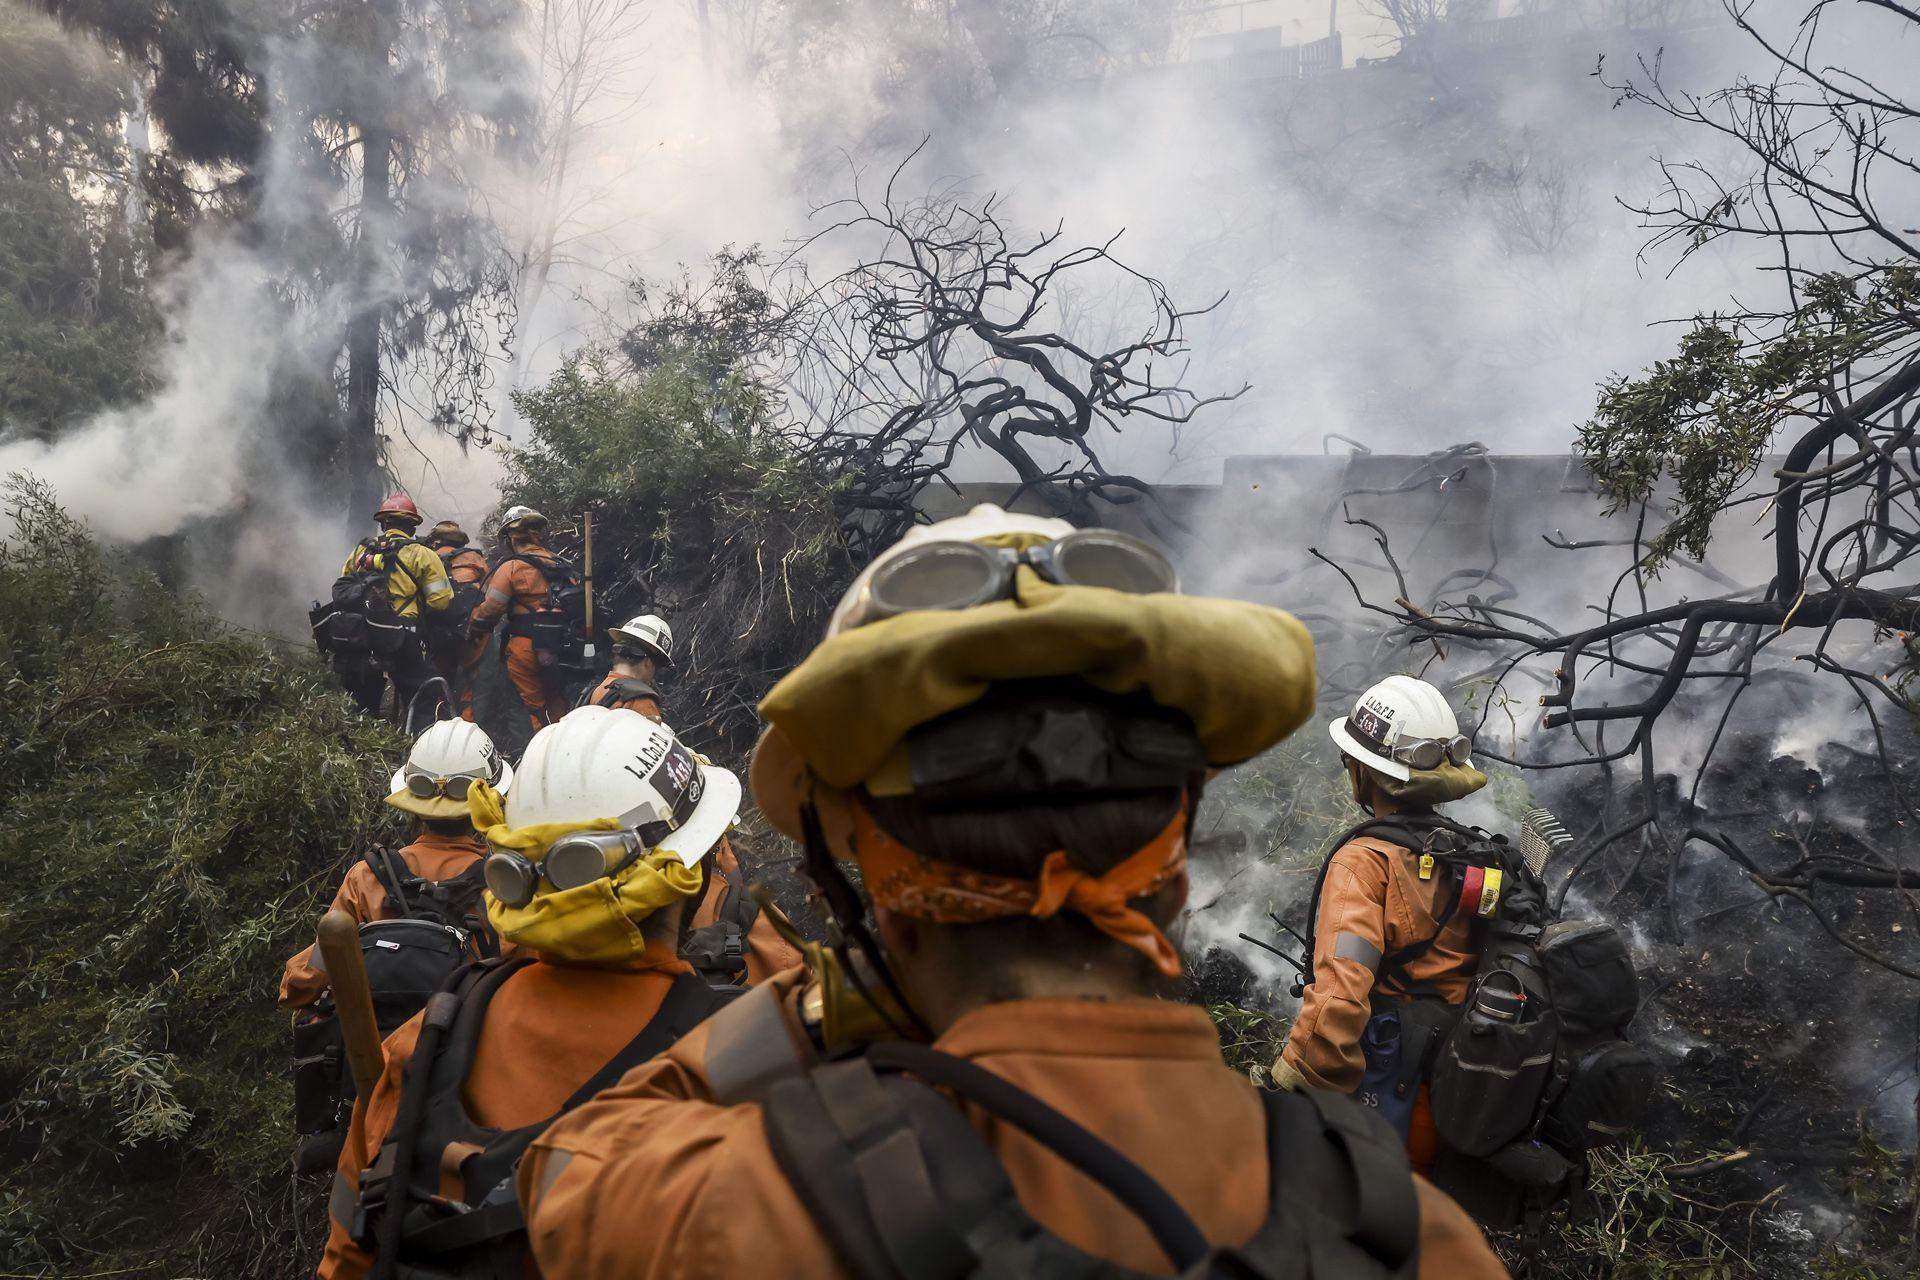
[[1533, 1069], [399, 1213], [357, 626], [904, 1187], [557, 626], [437, 927], [445, 630]]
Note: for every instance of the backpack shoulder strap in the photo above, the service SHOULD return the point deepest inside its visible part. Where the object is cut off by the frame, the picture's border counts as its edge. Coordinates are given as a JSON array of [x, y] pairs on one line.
[[1342, 1167], [688, 1003], [379, 860], [626, 689], [850, 1151]]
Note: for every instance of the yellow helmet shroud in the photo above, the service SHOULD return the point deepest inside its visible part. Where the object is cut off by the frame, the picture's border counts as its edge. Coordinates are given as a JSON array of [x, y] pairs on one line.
[[596, 923], [1242, 673]]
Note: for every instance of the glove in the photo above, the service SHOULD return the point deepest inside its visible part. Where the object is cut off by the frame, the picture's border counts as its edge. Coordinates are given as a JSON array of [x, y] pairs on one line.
[[1284, 1076]]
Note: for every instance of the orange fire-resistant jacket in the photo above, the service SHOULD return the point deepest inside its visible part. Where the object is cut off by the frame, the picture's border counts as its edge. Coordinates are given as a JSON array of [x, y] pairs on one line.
[[464, 565], [362, 896], [1373, 904], [549, 1028], [653, 1180], [514, 584]]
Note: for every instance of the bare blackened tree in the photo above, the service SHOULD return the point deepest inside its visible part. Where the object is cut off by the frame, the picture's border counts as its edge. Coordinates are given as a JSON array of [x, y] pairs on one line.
[[757, 434], [947, 336], [1822, 390]]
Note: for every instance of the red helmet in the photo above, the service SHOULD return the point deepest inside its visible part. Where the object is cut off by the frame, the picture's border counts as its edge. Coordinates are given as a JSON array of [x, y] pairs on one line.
[[398, 506]]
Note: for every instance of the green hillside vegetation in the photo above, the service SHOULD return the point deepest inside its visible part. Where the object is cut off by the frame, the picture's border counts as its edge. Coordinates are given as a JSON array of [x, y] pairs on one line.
[[177, 798]]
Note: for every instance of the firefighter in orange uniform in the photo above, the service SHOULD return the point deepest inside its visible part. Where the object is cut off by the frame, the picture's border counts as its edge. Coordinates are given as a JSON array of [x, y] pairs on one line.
[[593, 859], [641, 646], [1392, 958], [1008, 731], [448, 755], [518, 586], [457, 655]]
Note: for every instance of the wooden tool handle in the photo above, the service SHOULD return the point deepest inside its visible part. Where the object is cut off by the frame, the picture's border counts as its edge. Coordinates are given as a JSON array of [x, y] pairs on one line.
[[339, 939]]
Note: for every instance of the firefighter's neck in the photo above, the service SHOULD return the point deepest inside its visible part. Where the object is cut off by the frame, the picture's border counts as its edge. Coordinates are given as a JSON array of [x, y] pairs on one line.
[[948, 971], [1369, 794], [634, 668]]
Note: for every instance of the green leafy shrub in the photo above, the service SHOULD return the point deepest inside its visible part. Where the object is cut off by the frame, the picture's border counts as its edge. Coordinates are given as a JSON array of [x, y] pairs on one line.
[[704, 512], [177, 802]]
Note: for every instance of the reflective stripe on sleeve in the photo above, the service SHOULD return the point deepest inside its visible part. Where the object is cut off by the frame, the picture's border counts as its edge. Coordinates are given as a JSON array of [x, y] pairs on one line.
[[496, 596], [1351, 946]]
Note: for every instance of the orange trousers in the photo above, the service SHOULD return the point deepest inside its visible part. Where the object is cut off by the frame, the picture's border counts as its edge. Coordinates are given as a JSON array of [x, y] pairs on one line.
[[1423, 1137], [539, 690]]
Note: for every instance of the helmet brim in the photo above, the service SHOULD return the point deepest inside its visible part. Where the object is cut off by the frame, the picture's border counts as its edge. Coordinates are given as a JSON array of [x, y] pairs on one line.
[[779, 779], [1366, 755], [719, 805], [437, 806]]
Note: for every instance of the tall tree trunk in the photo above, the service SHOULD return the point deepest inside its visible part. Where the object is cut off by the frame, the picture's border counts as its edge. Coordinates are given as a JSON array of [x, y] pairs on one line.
[[362, 453]]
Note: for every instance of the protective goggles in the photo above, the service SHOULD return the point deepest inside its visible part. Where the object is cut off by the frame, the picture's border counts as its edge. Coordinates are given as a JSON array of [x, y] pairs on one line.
[[570, 862], [961, 575], [1418, 753], [454, 787]]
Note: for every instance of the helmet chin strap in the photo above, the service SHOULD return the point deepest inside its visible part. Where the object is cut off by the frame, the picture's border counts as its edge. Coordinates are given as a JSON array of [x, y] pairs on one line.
[[850, 921]]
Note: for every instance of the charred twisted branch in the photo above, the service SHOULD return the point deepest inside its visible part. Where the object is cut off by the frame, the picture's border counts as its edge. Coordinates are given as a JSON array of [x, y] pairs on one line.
[[937, 341]]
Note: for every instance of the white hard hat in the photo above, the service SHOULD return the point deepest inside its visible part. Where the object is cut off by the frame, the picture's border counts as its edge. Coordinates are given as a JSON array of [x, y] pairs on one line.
[[516, 515], [602, 762], [448, 749], [984, 521], [649, 631], [1392, 715]]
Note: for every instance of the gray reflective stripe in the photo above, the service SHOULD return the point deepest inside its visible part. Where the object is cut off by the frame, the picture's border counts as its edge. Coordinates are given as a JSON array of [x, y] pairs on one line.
[[1351, 946], [341, 1202], [1505, 1073], [557, 1162], [497, 596], [749, 1048], [438, 589]]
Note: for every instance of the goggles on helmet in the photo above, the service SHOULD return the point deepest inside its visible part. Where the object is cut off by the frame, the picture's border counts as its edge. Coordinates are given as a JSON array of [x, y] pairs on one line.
[[961, 575], [585, 856], [454, 786], [1415, 753], [571, 861]]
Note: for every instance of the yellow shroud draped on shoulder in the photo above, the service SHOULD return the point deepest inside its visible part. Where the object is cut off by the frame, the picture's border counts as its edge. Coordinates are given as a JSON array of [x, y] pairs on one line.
[[596, 923]]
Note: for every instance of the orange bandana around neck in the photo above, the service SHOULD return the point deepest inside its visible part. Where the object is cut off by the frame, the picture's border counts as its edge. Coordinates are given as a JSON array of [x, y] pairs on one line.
[[901, 880]]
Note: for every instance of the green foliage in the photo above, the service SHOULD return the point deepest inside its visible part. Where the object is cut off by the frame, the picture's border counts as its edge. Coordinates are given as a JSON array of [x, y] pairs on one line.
[[75, 316], [1705, 417], [1250, 1039], [177, 802], [703, 509]]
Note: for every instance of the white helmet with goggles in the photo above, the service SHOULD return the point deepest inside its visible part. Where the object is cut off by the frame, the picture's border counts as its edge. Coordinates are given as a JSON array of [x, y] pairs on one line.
[[951, 565], [598, 763], [1401, 725], [447, 758], [649, 633]]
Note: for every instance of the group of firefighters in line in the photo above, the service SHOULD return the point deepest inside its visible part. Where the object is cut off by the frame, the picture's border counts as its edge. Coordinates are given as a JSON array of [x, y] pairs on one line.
[[1007, 729], [425, 579]]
